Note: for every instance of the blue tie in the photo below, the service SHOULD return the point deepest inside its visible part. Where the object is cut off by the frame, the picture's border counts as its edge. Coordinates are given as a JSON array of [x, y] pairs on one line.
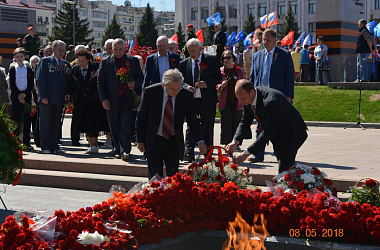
[[265, 77]]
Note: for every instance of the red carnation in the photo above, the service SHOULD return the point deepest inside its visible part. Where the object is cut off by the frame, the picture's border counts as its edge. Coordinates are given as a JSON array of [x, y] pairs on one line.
[[300, 185], [327, 182], [321, 188], [370, 183], [234, 166], [204, 176], [299, 172], [219, 177], [218, 164], [316, 172], [292, 183], [287, 177]]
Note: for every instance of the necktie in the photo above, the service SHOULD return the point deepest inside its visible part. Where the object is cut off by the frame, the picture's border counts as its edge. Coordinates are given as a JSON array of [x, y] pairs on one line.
[[265, 78], [257, 118], [196, 71], [167, 125], [84, 72], [60, 67]]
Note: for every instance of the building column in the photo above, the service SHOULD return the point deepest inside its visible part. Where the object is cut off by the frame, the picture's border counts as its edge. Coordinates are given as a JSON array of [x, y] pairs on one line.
[[257, 18], [227, 14], [199, 13]]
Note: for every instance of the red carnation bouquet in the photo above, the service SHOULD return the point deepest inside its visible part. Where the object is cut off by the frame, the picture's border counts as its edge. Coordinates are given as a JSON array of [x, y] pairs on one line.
[[125, 77], [366, 191]]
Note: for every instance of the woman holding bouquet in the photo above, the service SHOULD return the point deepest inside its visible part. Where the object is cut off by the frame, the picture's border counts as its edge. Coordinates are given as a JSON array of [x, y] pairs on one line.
[[88, 113], [229, 106]]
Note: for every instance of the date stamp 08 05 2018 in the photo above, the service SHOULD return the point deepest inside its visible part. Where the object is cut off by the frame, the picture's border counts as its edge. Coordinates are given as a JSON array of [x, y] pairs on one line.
[[311, 233]]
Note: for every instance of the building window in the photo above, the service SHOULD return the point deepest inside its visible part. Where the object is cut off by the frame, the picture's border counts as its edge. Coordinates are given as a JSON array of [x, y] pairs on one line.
[[194, 13], [294, 7], [281, 6], [82, 13], [312, 6], [312, 27], [377, 4], [39, 20], [97, 35], [204, 12], [98, 24], [222, 11], [251, 9], [99, 15], [233, 11], [262, 9]]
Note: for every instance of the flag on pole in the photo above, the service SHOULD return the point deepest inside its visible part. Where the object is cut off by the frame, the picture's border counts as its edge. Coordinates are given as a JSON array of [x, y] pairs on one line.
[[174, 38], [300, 39], [213, 19], [269, 20], [371, 26], [288, 39], [231, 38], [199, 34], [248, 39], [376, 30], [308, 40], [133, 45], [239, 37]]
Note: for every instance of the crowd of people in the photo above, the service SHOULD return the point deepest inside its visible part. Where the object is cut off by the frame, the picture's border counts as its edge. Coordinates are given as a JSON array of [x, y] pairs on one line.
[[143, 97]]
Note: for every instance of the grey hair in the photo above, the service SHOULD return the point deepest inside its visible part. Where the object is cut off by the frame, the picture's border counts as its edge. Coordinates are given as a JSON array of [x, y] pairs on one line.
[[118, 40], [173, 42], [172, 75], [218, 25], [57, 43], [109, 41], [78, 47], [194, 41], [162, 38], [34, 57]]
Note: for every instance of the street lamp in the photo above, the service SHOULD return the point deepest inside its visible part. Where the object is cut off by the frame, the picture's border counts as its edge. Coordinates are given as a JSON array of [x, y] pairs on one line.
[[73, 3]]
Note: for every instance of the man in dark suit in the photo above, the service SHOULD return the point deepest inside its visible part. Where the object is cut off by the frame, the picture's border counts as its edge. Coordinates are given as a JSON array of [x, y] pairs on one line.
[[272, 67], [159, 62], [201, 73], [278, 121], [117, 97], [220, 40], [53, 82], [159, 123]]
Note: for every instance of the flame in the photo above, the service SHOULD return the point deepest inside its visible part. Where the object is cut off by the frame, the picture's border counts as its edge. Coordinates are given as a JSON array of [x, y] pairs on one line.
[[249, 237]]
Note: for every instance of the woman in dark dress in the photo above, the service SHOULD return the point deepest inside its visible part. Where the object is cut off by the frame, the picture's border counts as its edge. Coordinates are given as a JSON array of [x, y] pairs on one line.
[[88, 114]]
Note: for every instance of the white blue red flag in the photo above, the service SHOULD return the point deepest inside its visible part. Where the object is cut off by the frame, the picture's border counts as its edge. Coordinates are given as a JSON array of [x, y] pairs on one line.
[[371, 26], [308, 40], [269, 20], [300, 39]]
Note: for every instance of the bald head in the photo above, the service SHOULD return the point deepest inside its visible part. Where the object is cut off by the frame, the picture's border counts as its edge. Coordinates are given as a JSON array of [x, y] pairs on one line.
[[118, 47], [245, 91], [162, 45]]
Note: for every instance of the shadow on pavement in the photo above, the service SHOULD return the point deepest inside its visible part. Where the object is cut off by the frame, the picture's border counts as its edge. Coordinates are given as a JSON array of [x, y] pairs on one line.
[[4, 213], [326, 165]]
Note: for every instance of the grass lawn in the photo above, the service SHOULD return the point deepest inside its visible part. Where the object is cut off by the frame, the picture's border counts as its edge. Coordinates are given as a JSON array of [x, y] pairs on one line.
[[322, 103]]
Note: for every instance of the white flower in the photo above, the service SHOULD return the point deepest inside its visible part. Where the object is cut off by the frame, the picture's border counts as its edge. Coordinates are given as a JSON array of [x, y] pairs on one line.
[[308, 178], [85, 238]]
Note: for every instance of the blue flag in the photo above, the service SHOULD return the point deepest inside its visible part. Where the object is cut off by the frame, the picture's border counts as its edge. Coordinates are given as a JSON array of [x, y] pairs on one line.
[[247, 39], [231, 38], [300, 39], [376, 30], [371, 26], [213, 19], [239, 37], [308, 40]]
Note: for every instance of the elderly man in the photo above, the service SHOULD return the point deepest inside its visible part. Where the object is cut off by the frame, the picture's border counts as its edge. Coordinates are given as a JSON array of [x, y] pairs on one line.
[[107, 49], [158, 63], [53, 82], [48, 51], [117, 97], [159, 123], [201, 73], [219, 40], [173, 46], [278, 120]]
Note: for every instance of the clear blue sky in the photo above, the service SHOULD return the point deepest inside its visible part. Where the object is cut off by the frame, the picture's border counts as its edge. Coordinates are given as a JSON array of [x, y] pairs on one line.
[[167, 5]]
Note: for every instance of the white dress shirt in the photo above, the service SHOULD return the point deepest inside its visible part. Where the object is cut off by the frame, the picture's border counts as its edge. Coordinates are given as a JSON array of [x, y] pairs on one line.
[[164, 100], [21, 77], [197, 90]]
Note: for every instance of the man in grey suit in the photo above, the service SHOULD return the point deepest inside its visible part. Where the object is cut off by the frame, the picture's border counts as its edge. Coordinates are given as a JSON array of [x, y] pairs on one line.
[[117, 97], [53, 82]]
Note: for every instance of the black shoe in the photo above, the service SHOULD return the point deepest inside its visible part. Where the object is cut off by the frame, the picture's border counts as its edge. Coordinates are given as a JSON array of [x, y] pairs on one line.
[[117, 156], [59, 142], [100, 143], [255, 160], [75, 143], [188, 158], [126, 157], [112, 152]]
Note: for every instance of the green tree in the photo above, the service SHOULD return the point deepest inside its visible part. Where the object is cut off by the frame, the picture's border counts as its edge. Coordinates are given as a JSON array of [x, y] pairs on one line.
[[371, 18], [249, 24], [181, 36], [289, 24], [209, 31], [63, 29], [148, 34], [113, 31]]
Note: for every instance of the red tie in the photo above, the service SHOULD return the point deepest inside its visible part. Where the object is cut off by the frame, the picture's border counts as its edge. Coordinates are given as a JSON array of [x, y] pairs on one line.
[[167, 125], [60, 67]]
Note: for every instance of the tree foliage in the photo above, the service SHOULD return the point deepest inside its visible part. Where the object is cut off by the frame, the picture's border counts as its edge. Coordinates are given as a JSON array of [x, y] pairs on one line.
[[113, 31], [148, 34], [249, 24], [63, 29], [289, 24], [209, 31], [181, 36]]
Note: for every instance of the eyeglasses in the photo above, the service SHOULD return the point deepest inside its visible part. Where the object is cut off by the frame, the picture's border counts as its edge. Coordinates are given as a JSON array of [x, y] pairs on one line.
[[227, 57]]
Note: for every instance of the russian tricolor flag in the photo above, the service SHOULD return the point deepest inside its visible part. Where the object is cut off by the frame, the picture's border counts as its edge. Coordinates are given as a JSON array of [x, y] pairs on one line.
[[269, 20]]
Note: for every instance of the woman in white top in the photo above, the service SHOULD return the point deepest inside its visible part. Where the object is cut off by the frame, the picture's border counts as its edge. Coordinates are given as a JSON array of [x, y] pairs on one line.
[[322, 60]]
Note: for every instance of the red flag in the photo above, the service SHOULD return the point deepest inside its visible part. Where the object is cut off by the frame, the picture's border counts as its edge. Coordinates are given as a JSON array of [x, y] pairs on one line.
[[199, 34], [288, 39], [174, 38]]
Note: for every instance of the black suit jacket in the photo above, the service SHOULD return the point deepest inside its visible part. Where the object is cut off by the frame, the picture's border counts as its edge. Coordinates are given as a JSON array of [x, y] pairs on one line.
[[220, 41], [107, 80], [149, 117], [211, 76], [282, 123], [30, 83]]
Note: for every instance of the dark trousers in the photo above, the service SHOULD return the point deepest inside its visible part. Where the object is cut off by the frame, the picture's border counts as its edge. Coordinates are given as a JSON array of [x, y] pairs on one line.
[[260, 154], [50, 125], [312, 74], [119, 120], [163, 151], [36, 129], [304, 72], [286, 161], [74, 132], [207, 114], [18, 109], [229, 121]]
